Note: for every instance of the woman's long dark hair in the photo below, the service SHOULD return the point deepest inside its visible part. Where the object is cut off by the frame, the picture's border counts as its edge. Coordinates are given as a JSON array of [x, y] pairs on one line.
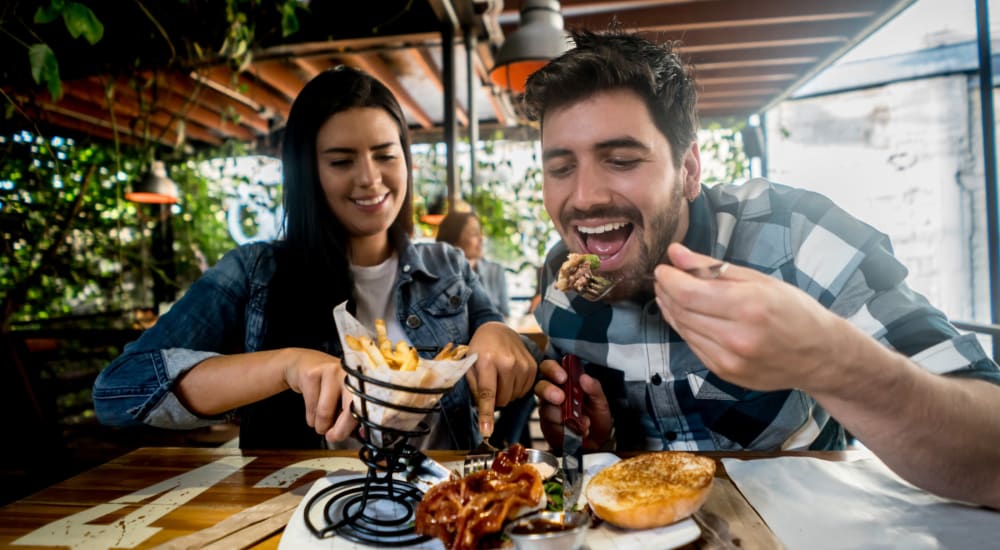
[[309, 223], [313, 264]]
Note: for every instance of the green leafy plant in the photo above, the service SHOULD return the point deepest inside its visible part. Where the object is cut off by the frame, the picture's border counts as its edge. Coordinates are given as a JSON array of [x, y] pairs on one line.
[[73, 245], [722, 155], [507, 197]]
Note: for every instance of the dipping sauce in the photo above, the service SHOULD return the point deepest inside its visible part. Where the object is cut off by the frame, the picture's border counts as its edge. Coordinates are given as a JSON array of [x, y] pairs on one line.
[[539, 526], [545, 471]]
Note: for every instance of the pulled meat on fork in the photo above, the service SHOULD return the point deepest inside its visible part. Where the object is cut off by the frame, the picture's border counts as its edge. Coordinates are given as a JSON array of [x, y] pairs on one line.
[[577, 271]]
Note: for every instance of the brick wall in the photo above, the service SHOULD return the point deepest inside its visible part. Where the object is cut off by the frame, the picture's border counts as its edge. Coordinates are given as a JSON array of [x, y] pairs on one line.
[[907, 159]]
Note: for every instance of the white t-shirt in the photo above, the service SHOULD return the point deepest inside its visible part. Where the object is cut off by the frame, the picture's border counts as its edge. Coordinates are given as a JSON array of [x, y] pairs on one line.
[[375, 299], [374, 296]]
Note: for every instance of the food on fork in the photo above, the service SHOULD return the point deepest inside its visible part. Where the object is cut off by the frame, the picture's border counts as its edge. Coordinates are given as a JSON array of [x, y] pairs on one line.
[[463, 511], [652, 489], [577, 271]]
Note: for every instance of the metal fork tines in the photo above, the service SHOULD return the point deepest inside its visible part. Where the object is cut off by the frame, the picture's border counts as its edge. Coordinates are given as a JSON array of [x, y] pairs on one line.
[[479, 458], [599, 287]]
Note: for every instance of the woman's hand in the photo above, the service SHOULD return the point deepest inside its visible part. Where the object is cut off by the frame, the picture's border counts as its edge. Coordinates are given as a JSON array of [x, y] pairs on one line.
[[319, 377], [504, 370], [597, 421]]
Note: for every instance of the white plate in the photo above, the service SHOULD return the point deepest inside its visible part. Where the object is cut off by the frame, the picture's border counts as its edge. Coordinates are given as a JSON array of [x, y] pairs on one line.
[[607, 536], [604, 537]]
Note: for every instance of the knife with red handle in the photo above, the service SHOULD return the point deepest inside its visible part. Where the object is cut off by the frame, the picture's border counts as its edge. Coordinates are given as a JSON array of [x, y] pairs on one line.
[[572, 420]]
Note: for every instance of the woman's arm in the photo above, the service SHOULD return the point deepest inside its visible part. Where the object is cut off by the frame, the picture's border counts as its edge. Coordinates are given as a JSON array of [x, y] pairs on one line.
[[222, 383]]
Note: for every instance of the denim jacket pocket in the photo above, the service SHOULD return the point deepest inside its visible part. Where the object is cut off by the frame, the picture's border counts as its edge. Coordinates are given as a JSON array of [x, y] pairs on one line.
[[445, 313], [448, 297]]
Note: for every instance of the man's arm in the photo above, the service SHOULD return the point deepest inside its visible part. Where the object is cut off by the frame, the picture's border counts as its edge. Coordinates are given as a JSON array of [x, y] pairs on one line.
[[940, 433], [752, 330]]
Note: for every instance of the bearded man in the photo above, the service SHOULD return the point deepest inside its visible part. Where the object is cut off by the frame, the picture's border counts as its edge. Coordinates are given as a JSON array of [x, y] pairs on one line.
[[804, 329]]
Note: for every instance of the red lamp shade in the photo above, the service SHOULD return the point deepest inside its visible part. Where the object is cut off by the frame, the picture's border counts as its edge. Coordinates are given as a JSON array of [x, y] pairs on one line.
[[155, 187]]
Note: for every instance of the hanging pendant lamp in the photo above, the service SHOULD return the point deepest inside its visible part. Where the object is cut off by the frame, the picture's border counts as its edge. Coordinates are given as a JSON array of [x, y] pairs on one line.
[[539, 39], [155, 187]]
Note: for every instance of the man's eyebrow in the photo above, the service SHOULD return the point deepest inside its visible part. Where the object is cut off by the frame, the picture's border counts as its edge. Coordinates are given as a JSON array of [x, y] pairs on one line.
[[625, 141], [613, 143], [552, 153]]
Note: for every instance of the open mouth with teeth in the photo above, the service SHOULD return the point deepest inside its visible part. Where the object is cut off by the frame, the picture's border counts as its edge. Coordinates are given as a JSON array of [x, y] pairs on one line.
[[605, 240], [371, 201]]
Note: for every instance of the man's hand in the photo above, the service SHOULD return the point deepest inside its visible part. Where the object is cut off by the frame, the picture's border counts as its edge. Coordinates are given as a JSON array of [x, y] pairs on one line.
[[320, 379], [751, 329], [597, 421], [504, 370]]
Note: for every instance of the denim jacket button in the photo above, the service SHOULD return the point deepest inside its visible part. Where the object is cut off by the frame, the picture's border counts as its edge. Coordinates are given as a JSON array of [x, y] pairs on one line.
[[406, 268], [657, 379], [413, 321], [454, 301]]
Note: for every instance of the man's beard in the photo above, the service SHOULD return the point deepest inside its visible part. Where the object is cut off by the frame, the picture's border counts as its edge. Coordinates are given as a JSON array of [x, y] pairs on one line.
[[637, 284]]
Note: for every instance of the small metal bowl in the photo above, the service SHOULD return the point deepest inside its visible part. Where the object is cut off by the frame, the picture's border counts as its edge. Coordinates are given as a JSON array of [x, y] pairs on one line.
[[546, 462], [549, 531]]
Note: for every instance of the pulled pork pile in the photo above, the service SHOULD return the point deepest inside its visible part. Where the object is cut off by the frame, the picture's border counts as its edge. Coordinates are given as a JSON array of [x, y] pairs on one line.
[[462, 511]]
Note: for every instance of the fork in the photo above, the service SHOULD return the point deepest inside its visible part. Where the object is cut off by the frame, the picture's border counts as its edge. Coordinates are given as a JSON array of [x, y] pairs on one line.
[[599, 287], [479, 458]]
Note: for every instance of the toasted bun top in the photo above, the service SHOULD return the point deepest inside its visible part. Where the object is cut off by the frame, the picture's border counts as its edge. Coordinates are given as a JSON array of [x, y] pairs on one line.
[[651, 489]]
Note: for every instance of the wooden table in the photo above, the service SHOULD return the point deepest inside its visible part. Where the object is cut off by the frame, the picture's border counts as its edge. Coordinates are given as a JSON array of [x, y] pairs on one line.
[[227, 498]]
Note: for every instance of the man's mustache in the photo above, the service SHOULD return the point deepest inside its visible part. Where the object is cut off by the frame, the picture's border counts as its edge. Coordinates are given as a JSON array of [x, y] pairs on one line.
[[632, 215]]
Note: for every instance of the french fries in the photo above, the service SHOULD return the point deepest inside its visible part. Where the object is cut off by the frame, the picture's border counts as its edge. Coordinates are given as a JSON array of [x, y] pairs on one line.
[[402, 356]]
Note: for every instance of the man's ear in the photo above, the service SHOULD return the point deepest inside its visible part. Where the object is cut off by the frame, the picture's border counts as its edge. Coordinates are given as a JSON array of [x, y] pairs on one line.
[[691, 172]]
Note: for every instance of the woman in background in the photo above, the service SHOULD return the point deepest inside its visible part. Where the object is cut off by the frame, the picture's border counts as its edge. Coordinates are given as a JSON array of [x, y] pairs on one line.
[[465, 231], [253, 339]]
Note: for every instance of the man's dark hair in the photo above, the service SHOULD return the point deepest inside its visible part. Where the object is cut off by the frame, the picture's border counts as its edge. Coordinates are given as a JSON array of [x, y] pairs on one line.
[[615, 61]]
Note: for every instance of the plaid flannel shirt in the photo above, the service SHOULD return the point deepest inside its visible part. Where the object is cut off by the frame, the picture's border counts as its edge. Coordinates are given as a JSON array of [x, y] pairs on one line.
[[661, 395]]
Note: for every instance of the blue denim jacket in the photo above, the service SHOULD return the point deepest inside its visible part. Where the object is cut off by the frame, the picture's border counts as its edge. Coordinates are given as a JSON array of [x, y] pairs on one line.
[[439, 299]]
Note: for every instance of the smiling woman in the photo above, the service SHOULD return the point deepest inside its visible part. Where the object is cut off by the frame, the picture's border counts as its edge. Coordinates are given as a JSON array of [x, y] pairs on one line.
[[254, 337]]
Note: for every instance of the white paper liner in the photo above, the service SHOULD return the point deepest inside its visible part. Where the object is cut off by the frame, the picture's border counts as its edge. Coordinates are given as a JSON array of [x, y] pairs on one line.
[[430, 374]]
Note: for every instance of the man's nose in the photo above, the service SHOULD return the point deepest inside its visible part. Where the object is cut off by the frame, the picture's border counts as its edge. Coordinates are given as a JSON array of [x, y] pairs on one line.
[[590, 188]]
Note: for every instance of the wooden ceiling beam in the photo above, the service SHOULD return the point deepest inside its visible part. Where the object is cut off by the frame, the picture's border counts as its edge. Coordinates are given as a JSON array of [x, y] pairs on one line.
[[830, 41], [717, 92], [726, 14], [842, 30], [278, 76], [247, 89], [502, 108], [750, 71], [375, 67], [353, 45], [747, 80], [141, 128], [216, 101], [422, 58], [697, 58], [760, 63], [59, 122], [168, 100], [89, 99], [312, 67]]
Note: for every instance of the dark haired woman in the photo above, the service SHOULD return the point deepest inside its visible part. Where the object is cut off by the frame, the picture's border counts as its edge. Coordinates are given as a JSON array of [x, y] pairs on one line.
[[254, 339]]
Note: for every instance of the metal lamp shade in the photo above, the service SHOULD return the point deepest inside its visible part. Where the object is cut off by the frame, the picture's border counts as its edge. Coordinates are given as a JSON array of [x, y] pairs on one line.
[[155, 187], [435, 211], [539, 39]]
